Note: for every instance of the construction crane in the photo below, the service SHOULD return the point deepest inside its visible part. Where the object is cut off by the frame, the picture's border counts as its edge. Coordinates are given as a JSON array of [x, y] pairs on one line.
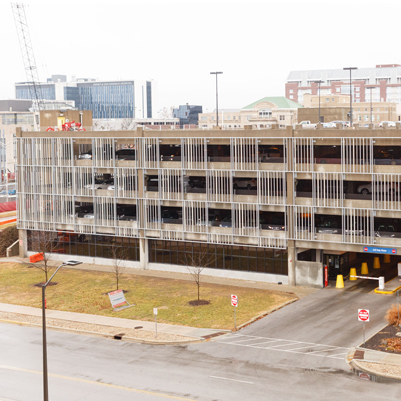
[[28, 57]]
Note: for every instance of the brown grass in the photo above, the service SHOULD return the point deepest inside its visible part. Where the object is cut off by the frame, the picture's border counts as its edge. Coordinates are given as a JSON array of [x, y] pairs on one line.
[[83, 291]]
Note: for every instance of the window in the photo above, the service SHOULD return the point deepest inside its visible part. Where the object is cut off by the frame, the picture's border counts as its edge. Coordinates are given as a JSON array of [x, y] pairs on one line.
[[233, 117], [282, 118], [332, 99], [366, 117], [327, 99], [358, 109], [204, 118], [359, 118], [265, 113], [366, 109], [291, 91], [291, 97]]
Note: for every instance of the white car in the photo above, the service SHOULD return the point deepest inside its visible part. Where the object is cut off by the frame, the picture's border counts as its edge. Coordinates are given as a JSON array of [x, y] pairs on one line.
[[101, 184], [345, 124], [389, 124]]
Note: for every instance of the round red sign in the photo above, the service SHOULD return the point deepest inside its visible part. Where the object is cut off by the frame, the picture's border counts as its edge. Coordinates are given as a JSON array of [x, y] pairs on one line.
[[234, 300], [363, 315]]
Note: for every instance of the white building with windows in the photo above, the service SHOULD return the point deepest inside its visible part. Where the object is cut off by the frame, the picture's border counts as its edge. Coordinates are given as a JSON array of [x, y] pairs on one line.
[[260, 114]]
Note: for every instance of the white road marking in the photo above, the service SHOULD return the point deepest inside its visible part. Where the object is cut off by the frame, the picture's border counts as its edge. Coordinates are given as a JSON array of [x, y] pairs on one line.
[[234, 380], [312, 347]]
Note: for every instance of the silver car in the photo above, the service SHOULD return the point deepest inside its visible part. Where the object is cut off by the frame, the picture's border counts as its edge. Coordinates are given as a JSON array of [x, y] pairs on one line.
[[366, 189]]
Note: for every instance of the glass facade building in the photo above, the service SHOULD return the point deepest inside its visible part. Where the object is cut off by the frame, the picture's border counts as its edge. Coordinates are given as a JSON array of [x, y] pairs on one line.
[[106, 99], [23, 91]]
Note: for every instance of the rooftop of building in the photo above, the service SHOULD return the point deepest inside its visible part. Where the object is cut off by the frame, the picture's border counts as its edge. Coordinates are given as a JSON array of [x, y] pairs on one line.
[[379, 71], [280, 101]]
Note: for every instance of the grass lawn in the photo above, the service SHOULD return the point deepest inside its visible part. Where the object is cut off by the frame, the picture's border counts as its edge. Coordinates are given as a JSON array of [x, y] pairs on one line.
[[84, 292]]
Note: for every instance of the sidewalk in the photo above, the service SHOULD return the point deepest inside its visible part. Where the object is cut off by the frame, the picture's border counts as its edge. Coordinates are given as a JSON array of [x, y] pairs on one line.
[[374, 363], [114, 327]]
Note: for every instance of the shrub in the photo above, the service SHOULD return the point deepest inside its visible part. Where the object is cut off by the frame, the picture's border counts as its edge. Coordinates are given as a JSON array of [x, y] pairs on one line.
[[7, 237], [392, 315]]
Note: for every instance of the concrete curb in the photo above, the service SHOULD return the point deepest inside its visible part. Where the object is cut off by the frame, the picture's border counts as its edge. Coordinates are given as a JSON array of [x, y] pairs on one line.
[[254, 319], [190, 340], [357, 364]]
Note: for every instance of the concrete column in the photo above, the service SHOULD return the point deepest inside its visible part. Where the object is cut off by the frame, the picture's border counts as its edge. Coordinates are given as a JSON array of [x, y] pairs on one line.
[[23, 245], [318, 255], [292, 255], [143, 253]]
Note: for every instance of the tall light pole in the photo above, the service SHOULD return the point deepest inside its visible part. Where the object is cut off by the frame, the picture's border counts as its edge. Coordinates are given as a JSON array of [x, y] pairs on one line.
[[371, 103], [45, 382], [319, 82], [217, 98], [350, 92]]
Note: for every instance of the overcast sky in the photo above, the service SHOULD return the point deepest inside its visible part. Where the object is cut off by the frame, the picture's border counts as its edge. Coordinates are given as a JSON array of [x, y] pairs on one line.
[[255, 43]]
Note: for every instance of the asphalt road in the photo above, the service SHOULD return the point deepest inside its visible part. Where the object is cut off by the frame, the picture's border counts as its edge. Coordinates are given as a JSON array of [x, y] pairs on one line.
[[295, 353]]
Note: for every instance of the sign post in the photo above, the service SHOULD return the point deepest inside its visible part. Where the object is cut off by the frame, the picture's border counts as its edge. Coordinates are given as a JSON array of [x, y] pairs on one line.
[[234, 302], [326, 276], [155, 313], [363, 316]]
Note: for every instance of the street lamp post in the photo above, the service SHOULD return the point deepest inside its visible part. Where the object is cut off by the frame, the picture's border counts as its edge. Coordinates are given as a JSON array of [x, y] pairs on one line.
[[45, 382], [371, 103], [350, 92], [319, 82], [217, 99]]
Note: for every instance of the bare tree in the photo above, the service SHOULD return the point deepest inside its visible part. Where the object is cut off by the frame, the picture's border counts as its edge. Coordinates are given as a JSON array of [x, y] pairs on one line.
[[120, 256], [195, 263], [44, 242], [166, 112]]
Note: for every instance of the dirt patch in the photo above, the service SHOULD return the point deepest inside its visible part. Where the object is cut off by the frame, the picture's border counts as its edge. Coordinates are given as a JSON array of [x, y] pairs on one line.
[[386, 340], [198, 302], [41, 284]]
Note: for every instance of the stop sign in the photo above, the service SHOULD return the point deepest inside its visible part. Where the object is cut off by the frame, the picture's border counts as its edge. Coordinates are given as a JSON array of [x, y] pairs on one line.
[[363, 315]]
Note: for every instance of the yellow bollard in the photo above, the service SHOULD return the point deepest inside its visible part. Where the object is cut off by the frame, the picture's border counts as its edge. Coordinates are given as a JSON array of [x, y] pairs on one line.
[[364, 268], [340, 281], [376, 263], [387, 258], [352, 273]]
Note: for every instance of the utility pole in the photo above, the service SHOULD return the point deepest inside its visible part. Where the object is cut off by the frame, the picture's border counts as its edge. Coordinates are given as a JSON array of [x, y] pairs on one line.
[[217, 98], [350, 92]]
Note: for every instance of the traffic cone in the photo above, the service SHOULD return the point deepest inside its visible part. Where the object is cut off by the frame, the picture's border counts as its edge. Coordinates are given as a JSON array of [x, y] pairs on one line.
[[387, 258], [340, 281], [376, 263], [364, 268], [352, 273]]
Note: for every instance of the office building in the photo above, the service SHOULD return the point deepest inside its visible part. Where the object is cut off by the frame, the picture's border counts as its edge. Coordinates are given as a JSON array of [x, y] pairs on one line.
[[382, 83], [188, 115], [337, 107], [106, 99], [263, 113]]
